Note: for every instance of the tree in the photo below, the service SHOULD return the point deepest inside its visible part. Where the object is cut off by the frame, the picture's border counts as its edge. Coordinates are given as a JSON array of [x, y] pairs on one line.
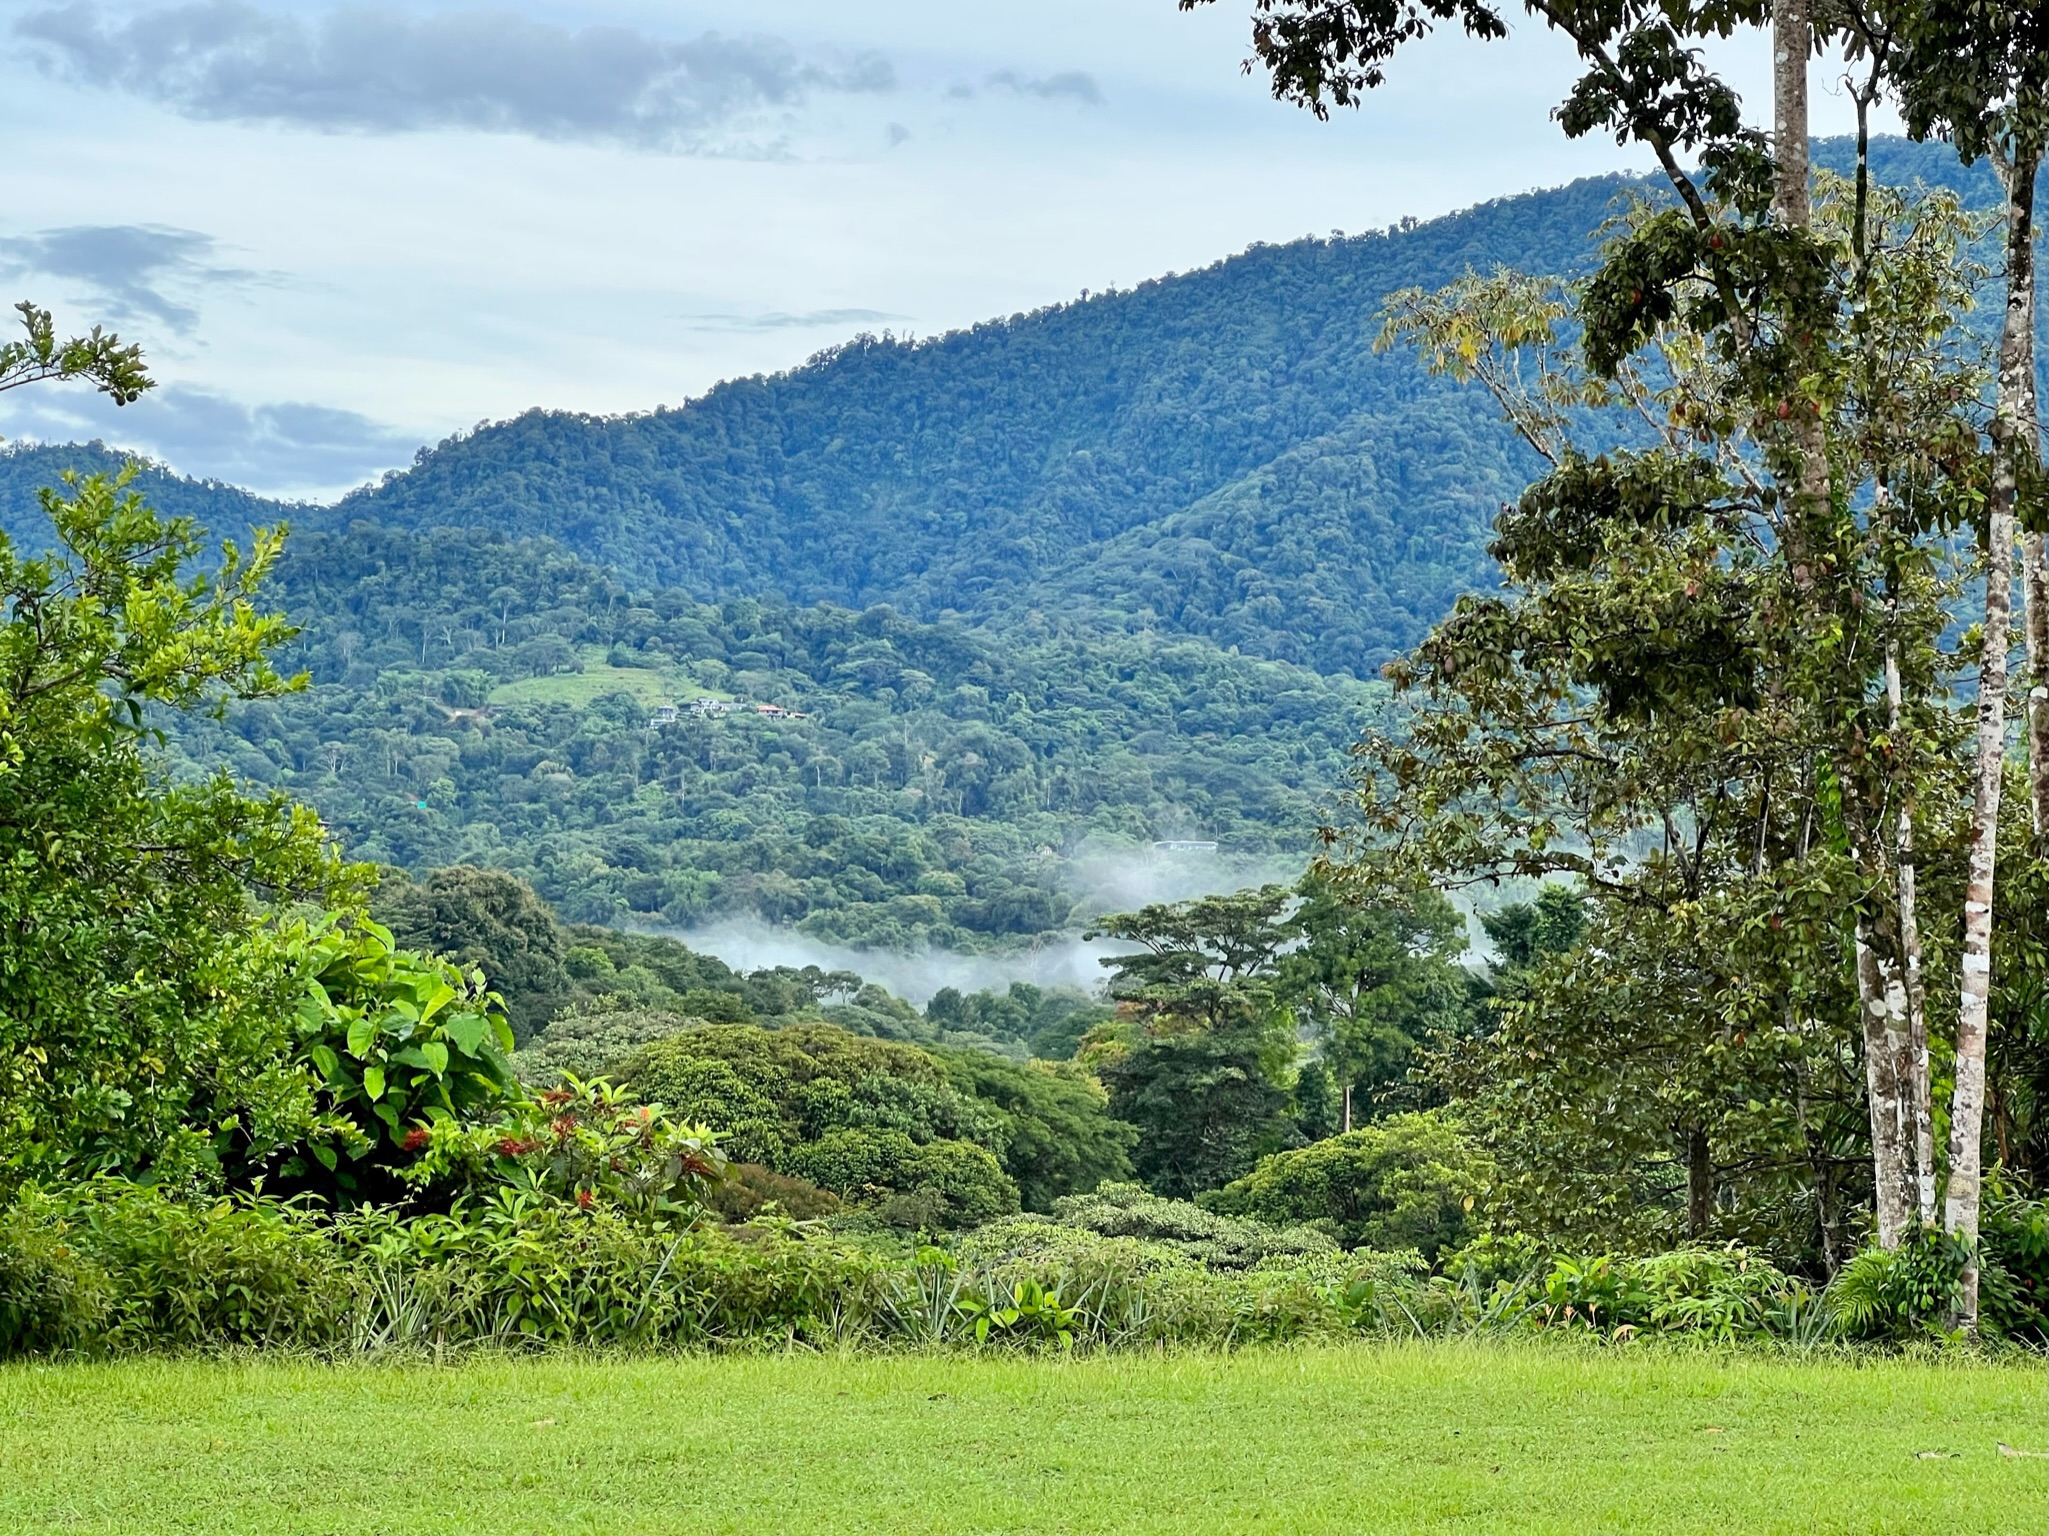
[[1058, 1136], [1372, 981], [99, 359], [1407, 1182], [145, 994], [1202, 1055], [1698, 690], [491, 920], [1979, 75]]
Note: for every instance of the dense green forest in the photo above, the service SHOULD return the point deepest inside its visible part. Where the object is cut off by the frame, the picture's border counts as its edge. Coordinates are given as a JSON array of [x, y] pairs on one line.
[[1024, 599], [490, 700], [894, 648]]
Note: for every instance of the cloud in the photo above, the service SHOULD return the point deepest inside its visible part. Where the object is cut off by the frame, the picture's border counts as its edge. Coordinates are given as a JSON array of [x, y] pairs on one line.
[[776, 321], [125, 267], [1068, 84], [369, 69], [283, 448]]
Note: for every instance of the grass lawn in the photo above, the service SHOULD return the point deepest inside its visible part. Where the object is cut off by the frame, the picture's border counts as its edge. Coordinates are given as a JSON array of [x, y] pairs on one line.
[[1363, 1439]]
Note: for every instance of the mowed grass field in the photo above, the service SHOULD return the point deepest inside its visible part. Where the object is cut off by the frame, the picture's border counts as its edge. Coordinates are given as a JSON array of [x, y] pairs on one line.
[[1416, 1438]]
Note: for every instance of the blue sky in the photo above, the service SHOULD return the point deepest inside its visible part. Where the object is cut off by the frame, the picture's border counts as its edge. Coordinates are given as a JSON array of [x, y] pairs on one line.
[[342, 231]]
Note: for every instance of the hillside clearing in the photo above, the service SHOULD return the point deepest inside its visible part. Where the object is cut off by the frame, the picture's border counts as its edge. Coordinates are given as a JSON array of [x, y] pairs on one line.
[[1418, 1438]]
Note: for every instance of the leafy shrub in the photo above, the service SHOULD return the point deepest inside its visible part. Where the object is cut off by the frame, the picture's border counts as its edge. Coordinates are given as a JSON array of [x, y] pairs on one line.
[[404, 1047], [1897, 1293], [748, 1190], [1208, 1237], [1043, 1243], [52, 1296], [940, 1184], [1405, 1182], [2014, 1288], [112, 1265], [592, 1040]]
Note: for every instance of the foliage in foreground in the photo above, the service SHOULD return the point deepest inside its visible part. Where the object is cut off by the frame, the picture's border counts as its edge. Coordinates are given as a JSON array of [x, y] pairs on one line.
[[111, 1267]]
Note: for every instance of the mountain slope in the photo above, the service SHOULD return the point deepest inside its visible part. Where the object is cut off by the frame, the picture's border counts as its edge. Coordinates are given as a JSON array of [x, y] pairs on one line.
[[1221, 453]]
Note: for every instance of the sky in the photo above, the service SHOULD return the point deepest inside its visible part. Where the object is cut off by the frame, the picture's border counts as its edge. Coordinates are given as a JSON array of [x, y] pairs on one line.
[[342, 232]]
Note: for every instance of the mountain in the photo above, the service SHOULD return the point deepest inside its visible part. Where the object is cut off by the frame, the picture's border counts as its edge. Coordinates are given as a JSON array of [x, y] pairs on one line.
[[1220, 453], [947, 627]]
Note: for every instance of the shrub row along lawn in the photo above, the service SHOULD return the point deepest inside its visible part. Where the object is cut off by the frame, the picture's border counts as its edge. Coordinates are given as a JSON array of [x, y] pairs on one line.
[[1408, 1438]]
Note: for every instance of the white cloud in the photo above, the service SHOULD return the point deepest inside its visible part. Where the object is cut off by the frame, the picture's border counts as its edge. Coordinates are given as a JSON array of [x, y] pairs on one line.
[[373, 69]]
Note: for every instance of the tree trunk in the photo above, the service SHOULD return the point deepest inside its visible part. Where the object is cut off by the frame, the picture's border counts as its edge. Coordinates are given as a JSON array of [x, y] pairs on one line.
[[1882, 988], [2035, 616], [2035, 584], [1348, 1109], [1792, 46], [1700, 1185], [1884, 1011], [1918, 1101], [2013, 435]]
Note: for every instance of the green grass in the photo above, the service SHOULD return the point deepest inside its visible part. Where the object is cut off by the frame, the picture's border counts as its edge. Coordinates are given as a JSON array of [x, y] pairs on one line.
[[1365, 1439]]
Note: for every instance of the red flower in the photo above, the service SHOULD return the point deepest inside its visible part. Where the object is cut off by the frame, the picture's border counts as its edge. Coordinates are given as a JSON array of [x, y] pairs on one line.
[[416, 1138], [516, 1146], [585, 1199]]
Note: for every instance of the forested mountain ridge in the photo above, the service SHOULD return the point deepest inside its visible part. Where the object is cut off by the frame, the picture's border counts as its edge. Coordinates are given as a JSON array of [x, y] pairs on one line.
[[1219, 453]]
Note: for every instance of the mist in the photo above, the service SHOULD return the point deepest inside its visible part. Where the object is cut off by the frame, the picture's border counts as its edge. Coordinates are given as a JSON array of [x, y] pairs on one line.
[[749, 944], [1104, 876]]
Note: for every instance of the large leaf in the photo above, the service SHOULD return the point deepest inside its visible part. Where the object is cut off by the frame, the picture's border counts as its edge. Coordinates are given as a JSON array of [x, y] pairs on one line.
[[435, 997], [373, 1082], [467, 1031], [361, 1034]]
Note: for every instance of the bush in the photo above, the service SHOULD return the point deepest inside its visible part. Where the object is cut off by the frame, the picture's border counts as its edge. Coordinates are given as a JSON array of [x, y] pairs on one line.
[[1901, 1292], [1407, 1182], [111, 1266], [405, 1049], [2014, 1290], [593, 1040], [52, 1296], [940, 1184], [749, 1189], [1206, 1237]]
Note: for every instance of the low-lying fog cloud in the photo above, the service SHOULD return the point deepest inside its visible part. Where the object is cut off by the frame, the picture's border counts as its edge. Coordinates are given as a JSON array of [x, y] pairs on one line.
[[749, 944], [1105, 880]]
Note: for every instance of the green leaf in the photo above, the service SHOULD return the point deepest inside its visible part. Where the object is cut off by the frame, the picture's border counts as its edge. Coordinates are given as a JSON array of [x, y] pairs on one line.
[[326, 1156], [467, 1031], [373, 1082], [325, 1061], [437, 1056], [361, 1033]]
